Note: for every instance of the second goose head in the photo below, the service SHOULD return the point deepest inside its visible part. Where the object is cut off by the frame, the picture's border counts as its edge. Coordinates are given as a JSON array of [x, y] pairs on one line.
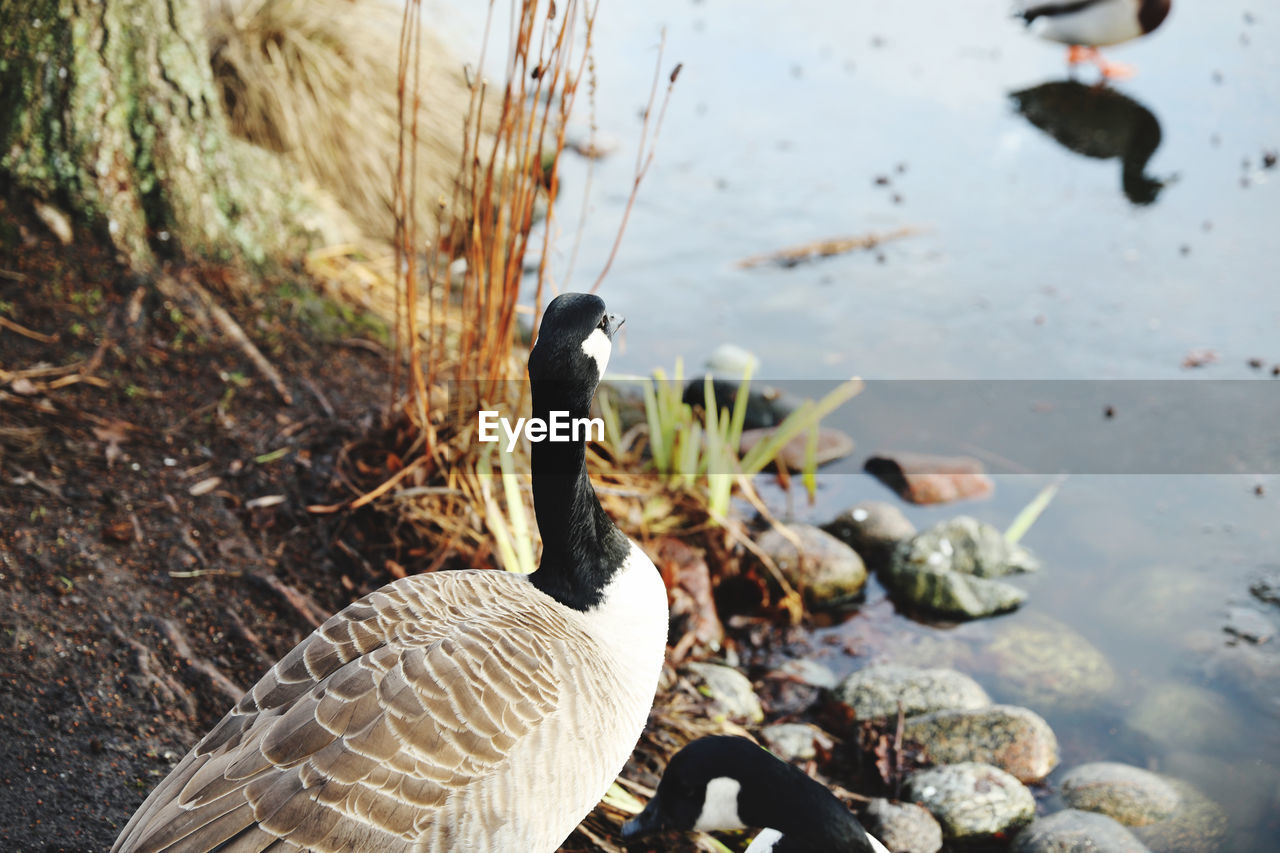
[[725, 782]]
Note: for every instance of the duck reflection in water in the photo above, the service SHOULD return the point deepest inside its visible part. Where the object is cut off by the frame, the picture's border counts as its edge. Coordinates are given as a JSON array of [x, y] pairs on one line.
[[1098, 122]]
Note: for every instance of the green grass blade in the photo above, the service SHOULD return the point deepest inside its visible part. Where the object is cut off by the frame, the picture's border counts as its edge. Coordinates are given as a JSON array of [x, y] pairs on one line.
[[1022, 523]]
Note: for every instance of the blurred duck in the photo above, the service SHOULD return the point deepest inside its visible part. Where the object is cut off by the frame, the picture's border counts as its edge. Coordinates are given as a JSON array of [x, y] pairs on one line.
[[1086, 25]]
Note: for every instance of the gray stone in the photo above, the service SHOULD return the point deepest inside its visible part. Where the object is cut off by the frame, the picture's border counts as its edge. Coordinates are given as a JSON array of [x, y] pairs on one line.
[[968, 546], [795, 741], [809, 672], [875, 693], [733, 361], [972, 801], [1074, 831], [829, 572], [1198, 826], [1014, 739], [872, 528], [903, 827], [729, 690], [1044, 663], [1184, 716], [949, 569], [1248, 624], [1130, 795]]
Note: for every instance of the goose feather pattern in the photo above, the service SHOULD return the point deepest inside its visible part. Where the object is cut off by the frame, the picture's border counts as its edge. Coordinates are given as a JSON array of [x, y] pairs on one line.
[[323, 751]]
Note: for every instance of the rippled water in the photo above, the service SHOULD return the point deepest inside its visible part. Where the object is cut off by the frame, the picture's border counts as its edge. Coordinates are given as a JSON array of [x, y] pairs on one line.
[[810, 120]]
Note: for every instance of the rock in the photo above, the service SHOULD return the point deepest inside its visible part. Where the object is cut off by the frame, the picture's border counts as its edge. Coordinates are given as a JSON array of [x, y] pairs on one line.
[[875, 693], [1130, 795], [972, 801], [833, 444], [1184, 716], [1198, 826], [1044, 663], [1267, 588], [966, 545], [1014, 739], [809, 672], [925, 479], [872, 528], [1247, 624], [1074, 831], [732, 361], [948, 569], [729, 690], [903, 827], [766, 406], [906, 642], [796, 741], [830, 572]]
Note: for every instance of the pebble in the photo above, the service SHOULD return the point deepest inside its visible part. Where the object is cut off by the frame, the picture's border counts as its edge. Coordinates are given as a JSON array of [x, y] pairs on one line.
[[1130, 795], [972, 801], [1073, 831], [875, 693], [872, 528], [830, 572], [1016, 740], [796, 741], [729, 690], [903, 826]]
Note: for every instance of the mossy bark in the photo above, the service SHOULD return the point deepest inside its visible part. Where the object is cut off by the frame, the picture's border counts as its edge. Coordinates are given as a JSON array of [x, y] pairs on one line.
[[108, 111]]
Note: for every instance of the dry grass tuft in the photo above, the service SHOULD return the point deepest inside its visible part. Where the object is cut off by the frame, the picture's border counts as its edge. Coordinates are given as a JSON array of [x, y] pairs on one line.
[[316, 81]]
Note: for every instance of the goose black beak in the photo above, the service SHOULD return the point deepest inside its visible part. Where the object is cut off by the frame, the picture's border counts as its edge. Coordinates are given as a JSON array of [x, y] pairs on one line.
[[647, 822], [612, 323]]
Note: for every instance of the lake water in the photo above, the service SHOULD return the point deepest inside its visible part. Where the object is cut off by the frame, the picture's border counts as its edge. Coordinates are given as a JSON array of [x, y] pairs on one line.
[[812, 120]]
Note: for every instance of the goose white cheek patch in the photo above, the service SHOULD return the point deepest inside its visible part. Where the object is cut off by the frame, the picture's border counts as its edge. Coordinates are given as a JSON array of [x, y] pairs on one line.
[[597, 348], [720, 807]]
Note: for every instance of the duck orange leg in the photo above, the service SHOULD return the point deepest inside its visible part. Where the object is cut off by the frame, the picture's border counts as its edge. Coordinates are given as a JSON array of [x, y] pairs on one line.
[[1077, 54]]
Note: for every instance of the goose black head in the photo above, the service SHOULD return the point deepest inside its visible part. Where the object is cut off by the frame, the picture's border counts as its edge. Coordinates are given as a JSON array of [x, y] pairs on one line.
[[725, 782], [572, 350]]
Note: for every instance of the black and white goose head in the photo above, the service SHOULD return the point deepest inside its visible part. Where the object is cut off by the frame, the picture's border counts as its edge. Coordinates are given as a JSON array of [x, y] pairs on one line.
[[723, 782], [569, 358]]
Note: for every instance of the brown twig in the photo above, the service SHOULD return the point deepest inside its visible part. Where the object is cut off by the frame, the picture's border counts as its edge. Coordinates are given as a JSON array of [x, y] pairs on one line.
[[6, 323], [232, 329], [644, 157]]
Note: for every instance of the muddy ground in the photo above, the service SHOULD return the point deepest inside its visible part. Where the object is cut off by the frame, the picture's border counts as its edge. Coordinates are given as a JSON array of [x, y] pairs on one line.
[[138, 594]]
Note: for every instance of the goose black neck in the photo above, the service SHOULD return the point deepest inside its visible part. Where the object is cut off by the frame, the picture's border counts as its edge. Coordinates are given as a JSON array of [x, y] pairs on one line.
[[808, 815], [581, 547]]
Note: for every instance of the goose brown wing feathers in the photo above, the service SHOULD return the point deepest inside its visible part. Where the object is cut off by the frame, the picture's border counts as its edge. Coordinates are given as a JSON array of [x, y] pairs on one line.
[[403, 703]]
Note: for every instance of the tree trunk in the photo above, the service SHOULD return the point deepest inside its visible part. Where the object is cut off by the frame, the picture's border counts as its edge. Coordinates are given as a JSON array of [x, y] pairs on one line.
[[108, 112]]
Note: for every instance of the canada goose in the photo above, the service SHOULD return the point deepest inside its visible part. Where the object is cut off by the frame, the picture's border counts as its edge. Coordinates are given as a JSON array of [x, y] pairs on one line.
[[1086, 25], [727, 782], [457, 711]]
